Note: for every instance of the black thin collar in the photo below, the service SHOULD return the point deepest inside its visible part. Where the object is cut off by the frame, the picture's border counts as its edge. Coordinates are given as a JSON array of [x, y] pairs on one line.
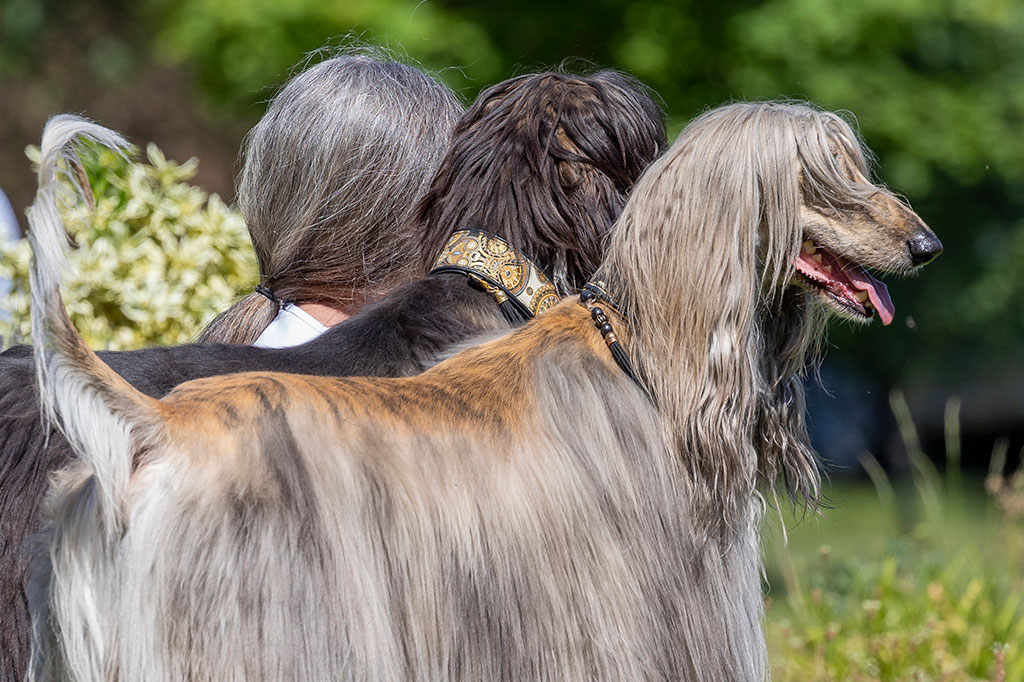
[[592, 296]]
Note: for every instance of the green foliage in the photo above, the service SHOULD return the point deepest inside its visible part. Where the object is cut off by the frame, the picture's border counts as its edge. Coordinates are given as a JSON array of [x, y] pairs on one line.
[[936, 85], [996, 291], [943, 616], [241, 49], [157, 258], [941, 600]]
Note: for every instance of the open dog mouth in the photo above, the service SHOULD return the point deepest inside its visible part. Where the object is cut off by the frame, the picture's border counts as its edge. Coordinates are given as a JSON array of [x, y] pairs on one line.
[[846, 285]]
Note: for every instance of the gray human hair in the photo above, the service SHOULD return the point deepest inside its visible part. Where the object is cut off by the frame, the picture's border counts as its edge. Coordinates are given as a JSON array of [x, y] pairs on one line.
[[329, 176]]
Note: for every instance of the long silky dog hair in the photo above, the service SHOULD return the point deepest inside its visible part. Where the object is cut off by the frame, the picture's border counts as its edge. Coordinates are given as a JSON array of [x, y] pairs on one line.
[[585, 139], [523, 510]]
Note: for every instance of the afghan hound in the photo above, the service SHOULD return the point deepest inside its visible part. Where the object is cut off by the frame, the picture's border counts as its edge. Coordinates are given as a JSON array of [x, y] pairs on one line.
[[543, 161], [575, 500]]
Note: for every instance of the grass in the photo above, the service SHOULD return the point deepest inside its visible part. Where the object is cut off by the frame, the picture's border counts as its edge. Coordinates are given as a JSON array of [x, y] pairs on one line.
[[914, 580]]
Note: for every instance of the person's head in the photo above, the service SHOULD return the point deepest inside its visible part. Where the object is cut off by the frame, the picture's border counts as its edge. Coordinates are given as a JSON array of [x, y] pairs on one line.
[[545, 161], [329, 176]]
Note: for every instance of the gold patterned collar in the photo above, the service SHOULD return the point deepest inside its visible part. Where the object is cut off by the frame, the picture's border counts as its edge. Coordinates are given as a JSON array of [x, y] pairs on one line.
[[493, 264]]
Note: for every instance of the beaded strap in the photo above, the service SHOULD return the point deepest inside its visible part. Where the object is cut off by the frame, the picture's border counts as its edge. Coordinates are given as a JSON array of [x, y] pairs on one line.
[[592, 293]]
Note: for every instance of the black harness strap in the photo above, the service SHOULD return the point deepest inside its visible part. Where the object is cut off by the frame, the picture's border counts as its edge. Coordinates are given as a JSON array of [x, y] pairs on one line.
[[592, 293]]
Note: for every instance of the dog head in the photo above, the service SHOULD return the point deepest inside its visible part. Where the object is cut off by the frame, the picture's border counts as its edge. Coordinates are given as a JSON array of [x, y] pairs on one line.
[[758, 221], [850, 226], [545, 161]]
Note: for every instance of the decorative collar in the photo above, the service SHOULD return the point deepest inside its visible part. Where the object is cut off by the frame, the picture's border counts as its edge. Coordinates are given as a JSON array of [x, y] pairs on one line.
[[494, 265]]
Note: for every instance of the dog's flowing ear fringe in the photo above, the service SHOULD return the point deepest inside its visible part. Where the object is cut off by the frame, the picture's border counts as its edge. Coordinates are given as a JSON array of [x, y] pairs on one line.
[[718, 336], [94, 407]]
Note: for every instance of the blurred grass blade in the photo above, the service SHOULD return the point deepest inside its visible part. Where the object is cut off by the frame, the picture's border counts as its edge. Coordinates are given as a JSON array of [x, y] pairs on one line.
[[997, 463], [926, 477], [954, 482], [883, 486]]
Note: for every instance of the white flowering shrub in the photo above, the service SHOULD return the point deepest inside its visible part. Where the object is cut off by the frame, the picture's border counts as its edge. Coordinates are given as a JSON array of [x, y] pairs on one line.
[[154, 261]]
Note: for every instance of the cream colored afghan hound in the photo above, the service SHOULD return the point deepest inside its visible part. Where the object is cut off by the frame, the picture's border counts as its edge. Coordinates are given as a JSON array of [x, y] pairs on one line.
[[537, 507]]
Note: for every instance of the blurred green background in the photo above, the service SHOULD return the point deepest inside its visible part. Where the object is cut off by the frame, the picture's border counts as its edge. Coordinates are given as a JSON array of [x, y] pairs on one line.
[[937, 89]]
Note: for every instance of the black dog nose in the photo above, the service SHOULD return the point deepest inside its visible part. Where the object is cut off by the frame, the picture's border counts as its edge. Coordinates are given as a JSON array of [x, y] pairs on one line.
[[924, 248]]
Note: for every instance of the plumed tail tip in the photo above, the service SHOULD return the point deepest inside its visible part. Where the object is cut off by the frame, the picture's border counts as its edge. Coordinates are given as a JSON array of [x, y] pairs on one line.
[[46, 227], [58, 164], [61, 134]]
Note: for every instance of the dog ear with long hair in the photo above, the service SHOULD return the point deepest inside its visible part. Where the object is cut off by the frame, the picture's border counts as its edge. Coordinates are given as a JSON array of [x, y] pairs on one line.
[[577, 499]]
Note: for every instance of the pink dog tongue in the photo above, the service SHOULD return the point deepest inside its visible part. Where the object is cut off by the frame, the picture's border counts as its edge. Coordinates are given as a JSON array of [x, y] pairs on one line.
[[844, 279], [878, 294]]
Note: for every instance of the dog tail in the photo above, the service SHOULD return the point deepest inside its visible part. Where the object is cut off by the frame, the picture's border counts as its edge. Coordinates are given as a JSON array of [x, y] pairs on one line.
[[103, 416]]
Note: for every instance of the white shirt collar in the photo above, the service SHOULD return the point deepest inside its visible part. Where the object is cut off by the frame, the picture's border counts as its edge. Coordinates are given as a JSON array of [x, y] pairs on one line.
[[293, 326]]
